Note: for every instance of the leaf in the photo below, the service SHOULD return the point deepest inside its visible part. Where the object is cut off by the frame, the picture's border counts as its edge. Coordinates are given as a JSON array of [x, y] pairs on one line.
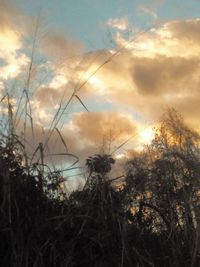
[[62, 139], [81, 102]]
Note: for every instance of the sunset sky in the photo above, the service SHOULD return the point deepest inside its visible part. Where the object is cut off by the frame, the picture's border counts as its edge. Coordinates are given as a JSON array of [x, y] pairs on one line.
[[127, 61]]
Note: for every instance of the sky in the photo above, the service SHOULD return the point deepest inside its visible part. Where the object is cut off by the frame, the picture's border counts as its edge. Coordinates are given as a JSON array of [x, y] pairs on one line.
[[98, 72], [86, 19]]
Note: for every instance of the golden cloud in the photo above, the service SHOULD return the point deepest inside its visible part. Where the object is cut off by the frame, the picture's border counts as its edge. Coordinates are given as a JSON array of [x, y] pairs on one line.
[[186, 30], [158, 70], [84, 134], [60, 45], [162, 75], [10, 42], [96, 127]]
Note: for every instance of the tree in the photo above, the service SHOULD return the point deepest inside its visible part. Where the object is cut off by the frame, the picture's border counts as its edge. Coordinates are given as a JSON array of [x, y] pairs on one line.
[[164, 182]]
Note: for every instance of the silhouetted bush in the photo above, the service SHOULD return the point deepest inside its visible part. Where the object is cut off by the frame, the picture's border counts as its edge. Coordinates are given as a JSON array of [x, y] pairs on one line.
[[153, 220]]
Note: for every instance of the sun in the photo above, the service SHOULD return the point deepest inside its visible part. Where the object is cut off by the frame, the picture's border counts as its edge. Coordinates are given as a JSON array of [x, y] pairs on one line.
[[146, 135]]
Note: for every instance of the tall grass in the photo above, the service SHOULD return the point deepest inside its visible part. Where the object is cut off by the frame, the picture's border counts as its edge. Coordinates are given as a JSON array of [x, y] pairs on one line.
[[152, 220]]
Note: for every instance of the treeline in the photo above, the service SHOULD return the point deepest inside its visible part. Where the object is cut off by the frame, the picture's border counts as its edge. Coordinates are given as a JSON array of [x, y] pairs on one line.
[[152, 218]]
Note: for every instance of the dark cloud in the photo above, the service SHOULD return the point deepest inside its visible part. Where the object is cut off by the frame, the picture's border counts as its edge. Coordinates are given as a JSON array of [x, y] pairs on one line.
[[60, 45], [7, 14], [155, 76], [84, 135], [94, 127], [186, 30]]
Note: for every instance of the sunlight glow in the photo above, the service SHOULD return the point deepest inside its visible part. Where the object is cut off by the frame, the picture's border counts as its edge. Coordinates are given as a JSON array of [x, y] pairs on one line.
[[146, 135], [98, 84], [120, 156], [12, 69], [9, 71], [9, 40], [94, 80]]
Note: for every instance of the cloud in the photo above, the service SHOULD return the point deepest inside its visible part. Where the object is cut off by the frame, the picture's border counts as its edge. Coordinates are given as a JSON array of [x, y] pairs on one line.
[[10, 42], [6, 13], [147, 10], [118, 23], [162, 75], [157, 71], [54, 57], [85, 134], [108, 125], [187, 31], [60, 45], [150, 8]]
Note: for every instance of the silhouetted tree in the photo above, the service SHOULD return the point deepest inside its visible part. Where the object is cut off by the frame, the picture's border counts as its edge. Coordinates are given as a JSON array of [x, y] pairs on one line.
[[164, 184]]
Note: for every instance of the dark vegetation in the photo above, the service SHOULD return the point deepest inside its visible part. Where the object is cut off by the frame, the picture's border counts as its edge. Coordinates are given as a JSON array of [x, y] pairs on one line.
[[151, 219]]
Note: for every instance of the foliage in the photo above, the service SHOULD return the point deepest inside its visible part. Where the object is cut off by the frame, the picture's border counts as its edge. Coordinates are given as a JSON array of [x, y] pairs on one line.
[[154, 220], [165, 180], [100, 163]]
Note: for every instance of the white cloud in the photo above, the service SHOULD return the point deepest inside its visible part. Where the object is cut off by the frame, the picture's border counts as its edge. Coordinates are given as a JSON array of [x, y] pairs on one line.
[[147, 10], [118, 23]]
